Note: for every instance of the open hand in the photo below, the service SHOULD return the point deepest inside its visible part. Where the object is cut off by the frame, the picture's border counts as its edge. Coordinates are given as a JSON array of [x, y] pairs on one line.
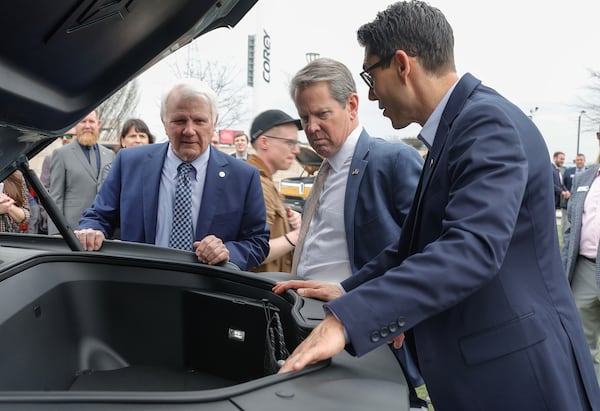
[[320, 290]]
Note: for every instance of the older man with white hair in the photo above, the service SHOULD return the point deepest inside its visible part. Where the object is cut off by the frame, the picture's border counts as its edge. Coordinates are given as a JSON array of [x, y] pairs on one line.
[[183, 193]]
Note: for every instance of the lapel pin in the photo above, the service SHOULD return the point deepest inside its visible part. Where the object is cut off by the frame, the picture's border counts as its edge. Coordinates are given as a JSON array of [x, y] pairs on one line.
[[431, 163], [355, 171], [221, 174]]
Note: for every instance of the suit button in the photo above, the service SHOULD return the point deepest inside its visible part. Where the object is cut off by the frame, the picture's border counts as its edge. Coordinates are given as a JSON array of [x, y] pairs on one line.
[[393, 327], [401, 322], [384, 332], [375, 336]]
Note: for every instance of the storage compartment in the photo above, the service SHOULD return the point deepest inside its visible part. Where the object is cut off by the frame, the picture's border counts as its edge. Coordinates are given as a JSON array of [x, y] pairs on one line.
[[115, 328]]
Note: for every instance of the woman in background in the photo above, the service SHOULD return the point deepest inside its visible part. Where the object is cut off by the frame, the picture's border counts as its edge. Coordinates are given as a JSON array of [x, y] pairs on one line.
[[135, 132], [14, 204]]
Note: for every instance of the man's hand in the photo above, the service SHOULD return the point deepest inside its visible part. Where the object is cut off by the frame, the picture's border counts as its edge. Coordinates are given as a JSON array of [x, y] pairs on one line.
[[324, 342], [312, 289], [90, 239], [211, 250], [397, 341]]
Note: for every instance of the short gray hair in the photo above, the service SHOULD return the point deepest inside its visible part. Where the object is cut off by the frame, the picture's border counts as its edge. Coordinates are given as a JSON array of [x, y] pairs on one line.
[[336, 74]]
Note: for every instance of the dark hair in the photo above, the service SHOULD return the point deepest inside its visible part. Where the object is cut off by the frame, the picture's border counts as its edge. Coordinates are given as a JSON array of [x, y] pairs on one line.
[[139, 126], [415, 27], [13, 187]]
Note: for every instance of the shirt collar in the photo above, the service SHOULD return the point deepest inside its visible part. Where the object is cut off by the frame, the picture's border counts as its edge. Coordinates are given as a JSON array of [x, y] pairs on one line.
[[337, 160], [427, 134], [172, 162]]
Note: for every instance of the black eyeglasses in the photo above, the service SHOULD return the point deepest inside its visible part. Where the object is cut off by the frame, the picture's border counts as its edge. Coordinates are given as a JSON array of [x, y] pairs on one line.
[[366, 76], [292, 144]]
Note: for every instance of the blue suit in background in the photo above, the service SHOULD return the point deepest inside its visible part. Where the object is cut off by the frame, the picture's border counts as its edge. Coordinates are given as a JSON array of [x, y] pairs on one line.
[[476, 280], [232, 206]]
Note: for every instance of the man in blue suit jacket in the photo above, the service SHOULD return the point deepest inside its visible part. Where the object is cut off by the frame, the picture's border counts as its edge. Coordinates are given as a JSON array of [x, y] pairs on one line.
[[229, 217], [367, 192], [475, 281]]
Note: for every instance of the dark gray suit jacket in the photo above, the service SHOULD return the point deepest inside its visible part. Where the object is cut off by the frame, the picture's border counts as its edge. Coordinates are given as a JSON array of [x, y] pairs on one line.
[[570, 248], [73, 182]]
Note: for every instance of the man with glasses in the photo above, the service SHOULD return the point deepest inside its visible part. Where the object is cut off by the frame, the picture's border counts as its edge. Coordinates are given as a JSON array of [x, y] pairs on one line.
[[274, 137], [475, 281]]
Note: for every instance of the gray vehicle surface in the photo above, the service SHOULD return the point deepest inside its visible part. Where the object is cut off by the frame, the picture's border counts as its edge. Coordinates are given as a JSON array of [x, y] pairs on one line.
[[135, 326]]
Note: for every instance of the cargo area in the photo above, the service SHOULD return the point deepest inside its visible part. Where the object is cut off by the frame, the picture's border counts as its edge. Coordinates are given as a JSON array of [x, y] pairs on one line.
[[75, 326]]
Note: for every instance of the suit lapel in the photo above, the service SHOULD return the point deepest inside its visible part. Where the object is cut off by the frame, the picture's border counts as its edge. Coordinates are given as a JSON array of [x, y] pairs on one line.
[[217, 173], [357, 170], [152, 169], [465, 87], [81, 158]]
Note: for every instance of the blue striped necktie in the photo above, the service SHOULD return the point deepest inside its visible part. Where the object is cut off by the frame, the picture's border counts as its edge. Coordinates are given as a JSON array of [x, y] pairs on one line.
[[182, 236]]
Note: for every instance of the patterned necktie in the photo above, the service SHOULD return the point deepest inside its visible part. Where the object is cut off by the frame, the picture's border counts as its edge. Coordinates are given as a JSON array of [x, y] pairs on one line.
[[309, 210], [182, 236]]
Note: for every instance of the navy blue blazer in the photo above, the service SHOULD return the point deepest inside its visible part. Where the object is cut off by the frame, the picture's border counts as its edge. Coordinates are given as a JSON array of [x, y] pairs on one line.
[[476, 279], [232, 206], [558, 187], [381, 185]]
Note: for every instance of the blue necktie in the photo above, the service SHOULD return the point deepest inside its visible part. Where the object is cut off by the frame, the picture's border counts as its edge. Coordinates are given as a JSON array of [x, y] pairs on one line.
[[182, 236]]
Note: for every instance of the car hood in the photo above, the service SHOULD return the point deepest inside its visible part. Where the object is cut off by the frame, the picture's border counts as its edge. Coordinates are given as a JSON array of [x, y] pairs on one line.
[[61, 59], [309, 159]]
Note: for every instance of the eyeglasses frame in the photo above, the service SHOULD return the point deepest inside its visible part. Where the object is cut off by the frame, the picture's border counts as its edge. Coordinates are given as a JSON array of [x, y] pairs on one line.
[[366, 76], [292, 144]]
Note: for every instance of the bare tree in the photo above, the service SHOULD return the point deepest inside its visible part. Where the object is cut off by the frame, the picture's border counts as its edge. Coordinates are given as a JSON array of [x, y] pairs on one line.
[[118, 108], [591, 104], [223, 79]]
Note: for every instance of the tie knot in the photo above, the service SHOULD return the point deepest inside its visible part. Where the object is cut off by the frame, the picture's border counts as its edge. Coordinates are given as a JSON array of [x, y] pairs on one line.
[[184, 168]]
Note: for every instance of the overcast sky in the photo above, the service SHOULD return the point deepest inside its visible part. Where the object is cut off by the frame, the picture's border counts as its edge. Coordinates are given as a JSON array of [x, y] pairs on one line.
[[536, 53]]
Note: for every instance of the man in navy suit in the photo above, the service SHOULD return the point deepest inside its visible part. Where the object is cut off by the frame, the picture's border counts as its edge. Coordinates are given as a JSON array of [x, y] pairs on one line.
[[476, 280], [368, 188], [228, 211]]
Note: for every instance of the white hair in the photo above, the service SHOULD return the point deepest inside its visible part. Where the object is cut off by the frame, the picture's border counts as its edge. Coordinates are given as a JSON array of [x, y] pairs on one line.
[[191, 88]]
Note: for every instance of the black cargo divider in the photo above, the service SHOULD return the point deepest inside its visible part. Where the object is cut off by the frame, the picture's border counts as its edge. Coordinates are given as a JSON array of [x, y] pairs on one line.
[[224, 334]]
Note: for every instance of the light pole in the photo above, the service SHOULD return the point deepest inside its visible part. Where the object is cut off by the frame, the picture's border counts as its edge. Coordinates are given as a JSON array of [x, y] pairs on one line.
[[311, 56], [581, 113]]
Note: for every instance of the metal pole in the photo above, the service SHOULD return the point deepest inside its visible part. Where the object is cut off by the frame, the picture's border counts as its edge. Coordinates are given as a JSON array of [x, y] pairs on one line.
[[579, 129]]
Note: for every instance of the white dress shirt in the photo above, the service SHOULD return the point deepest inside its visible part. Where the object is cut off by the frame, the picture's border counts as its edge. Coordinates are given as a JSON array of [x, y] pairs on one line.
[[325, 253]]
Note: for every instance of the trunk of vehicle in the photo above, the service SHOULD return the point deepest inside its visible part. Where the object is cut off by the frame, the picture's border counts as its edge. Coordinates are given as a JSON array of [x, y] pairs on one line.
[[69, 325]]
